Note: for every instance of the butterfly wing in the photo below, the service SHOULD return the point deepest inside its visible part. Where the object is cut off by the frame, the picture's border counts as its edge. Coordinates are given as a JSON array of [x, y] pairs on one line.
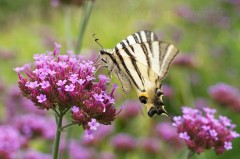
[[125, 82], [137, 38], [145, 64]]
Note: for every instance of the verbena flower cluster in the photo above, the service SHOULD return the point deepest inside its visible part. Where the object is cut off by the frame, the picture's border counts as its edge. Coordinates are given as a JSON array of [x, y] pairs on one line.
[[63, 82], [11, 141], [33, 125], [201, 130], [185, 60], [226, 95], [124, 142], [166, 132]]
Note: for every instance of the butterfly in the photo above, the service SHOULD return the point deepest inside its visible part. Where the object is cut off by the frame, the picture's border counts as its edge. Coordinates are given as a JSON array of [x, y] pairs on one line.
[[141, 61]]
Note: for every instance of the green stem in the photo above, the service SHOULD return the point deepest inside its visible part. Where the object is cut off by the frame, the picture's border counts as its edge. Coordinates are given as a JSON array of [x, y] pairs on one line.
[[57, 137], [68, 125], [67, 20], [68, 140], [190, 154], [87, 9]]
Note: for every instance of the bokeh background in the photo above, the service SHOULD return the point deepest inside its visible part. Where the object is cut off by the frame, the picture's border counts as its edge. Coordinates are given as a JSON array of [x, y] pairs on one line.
[[206, 32]]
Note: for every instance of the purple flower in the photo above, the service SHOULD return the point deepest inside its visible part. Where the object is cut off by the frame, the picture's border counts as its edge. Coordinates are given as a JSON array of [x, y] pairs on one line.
[[77, 151], [41, 98], [185, 60], [61, 81], [150, 145], [73, 78], [93, 124], [69, 88], [167, 90], [10, 141], [184, 135], [102, 132], [131, 110], [165, 131], [226, 95], [123, 142], [81, 81], [88, 134], [33, 125], [228, 145], [32, 84], [98, 97], [45, 84], [75, 109], [201, 130], [16, 104]]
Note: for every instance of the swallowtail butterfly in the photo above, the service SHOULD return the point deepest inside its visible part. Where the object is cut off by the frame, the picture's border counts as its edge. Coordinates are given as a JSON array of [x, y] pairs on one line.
[[142, 61]]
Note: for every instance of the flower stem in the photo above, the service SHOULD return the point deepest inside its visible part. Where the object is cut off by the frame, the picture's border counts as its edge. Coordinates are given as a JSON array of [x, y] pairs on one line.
[[67, 126], [57, 137], [88, 6], [190, 154], [67, 21]]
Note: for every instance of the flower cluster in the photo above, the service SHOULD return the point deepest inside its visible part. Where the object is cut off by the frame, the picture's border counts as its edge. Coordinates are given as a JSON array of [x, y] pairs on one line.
[[11, 141], [185, 60], [201, 130], [131, 109], [17, 104], [150, 145], [77, 151], [210, 17], [226, 95], [167, 90], [63, 82], [99, 135], [124, 142], [33, 125], [165, 131]]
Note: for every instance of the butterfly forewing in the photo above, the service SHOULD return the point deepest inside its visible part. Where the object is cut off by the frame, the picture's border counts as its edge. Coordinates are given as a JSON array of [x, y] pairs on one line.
[[136, 38], [148, 63]]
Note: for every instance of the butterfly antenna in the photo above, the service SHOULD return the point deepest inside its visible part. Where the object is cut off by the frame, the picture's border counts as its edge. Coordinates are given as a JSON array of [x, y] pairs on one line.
[[96, 40]]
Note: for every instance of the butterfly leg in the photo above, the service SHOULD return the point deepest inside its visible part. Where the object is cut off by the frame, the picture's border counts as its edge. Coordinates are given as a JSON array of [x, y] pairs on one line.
[[125, 83]]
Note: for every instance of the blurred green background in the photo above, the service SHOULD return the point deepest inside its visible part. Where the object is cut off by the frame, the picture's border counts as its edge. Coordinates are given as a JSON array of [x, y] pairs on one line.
[[207, 31]]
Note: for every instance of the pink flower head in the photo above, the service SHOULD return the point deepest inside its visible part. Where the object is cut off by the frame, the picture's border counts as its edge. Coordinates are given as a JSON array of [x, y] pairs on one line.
[[62, 81], [33, 125], [200, 130], [124, 142], [226, 95], [150, 145], [11, 141], [130, 109]]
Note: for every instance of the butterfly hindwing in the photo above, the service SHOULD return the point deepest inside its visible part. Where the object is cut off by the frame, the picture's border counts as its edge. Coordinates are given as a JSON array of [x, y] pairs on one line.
[[126, 84]]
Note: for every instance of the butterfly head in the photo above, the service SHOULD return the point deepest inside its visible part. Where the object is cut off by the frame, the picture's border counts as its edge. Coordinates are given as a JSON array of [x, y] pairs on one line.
[[153, 101], [105, 54]]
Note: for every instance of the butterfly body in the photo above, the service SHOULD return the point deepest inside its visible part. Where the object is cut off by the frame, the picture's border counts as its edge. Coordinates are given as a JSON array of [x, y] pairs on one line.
[[141, 61]]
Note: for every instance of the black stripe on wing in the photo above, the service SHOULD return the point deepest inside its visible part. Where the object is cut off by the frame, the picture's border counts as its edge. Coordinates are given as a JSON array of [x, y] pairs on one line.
[[145, 51], [126, 68], [136, 38]]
